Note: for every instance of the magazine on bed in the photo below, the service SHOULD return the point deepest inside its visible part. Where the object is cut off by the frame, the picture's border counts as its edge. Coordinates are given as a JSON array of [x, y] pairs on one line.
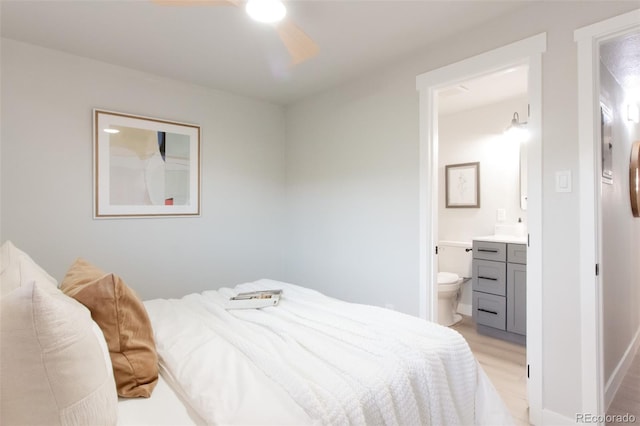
[[254, 299]]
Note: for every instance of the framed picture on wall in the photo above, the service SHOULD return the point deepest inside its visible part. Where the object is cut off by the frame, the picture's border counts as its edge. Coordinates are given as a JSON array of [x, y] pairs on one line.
[[606, 145], [145, 167], [462, 185]]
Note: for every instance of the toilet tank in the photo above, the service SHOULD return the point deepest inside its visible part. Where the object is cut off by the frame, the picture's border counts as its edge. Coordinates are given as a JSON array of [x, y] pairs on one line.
[[453, 257]]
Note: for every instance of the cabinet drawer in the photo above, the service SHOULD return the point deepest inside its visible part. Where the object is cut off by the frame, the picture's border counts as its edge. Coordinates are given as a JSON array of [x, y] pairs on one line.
[[517, 253], [488, 250], [489, 310], [489, 277]]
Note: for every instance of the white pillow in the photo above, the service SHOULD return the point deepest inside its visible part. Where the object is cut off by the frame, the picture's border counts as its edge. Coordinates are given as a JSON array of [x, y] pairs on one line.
[[18, 269], [53, 362]]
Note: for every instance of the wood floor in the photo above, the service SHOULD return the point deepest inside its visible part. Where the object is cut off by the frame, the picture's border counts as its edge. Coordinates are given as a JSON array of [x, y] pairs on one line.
[[627, 399], [506, 365]]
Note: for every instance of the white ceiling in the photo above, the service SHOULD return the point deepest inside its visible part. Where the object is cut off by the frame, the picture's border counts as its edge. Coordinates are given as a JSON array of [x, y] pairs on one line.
[[621, 56], [220, 47], [487, 89]]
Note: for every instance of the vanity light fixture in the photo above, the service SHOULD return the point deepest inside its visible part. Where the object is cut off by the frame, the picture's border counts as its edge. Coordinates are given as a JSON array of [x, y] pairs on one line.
[[112, 131], [267, 11], [517, 131]]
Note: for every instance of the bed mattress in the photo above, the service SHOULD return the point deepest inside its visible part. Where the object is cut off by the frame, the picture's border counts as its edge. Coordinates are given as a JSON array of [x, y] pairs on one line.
[[316, 360], [164, 408]]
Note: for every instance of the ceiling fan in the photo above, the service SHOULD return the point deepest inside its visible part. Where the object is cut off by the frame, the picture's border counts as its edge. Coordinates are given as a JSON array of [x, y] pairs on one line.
[[300, 46]]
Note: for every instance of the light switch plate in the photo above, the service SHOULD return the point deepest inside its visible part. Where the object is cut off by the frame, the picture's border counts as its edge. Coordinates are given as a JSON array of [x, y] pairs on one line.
[[563, 181]]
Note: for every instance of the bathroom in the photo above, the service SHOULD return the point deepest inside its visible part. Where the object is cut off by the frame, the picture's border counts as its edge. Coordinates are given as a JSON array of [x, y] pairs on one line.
[[473, 117]]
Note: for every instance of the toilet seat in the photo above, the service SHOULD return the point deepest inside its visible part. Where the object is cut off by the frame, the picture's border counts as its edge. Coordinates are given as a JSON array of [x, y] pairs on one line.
[[447, 278]]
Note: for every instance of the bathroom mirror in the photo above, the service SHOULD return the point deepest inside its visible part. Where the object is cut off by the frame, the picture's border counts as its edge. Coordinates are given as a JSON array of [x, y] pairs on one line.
[[523, 176]]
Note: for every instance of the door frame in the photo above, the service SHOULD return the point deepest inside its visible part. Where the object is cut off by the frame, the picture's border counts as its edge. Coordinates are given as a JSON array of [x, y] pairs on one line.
[[588, 39], [527, 51]]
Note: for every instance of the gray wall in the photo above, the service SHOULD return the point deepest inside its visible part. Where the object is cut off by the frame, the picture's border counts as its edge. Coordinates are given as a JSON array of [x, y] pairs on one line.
[[47, 102], [352, 168], [620, 236], [352, 193]]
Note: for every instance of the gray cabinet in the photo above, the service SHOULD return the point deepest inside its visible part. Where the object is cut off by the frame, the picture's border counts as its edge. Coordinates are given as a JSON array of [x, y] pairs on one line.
[[489, 310], [517, 298], [488, 250], [499, 286], [489, 277]]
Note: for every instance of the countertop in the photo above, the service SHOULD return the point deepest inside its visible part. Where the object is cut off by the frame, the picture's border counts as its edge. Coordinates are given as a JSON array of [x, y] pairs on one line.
[[503, 239]]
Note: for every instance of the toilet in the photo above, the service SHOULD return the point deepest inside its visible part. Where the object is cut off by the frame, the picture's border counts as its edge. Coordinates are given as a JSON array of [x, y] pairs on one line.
[[454, 265]]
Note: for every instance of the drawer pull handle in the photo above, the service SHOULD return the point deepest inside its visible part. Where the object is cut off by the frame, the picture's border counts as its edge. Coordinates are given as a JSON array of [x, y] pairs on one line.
[[488, 250], [488, 311], [487, 278]]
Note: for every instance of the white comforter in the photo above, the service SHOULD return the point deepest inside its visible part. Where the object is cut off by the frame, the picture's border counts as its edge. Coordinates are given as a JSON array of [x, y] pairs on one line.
[[314, 359]]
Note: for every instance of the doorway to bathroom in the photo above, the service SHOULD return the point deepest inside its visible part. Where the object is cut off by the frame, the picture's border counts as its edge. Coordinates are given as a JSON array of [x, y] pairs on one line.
[[521, 56], [475, 130]]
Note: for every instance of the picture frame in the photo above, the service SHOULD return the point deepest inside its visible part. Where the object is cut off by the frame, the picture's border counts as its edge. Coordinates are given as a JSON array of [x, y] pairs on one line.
[[606, 144], [462, 185], [144, 167]]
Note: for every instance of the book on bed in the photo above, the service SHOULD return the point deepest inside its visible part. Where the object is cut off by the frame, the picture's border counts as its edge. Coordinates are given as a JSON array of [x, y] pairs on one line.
[[254, 299]]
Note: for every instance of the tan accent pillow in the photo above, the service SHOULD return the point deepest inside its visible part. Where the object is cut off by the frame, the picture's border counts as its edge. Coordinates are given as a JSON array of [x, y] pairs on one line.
[[125, 324], [53, 366]]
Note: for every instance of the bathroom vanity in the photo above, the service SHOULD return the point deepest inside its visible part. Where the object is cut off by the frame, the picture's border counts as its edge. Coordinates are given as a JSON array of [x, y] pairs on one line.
[[500, 287]]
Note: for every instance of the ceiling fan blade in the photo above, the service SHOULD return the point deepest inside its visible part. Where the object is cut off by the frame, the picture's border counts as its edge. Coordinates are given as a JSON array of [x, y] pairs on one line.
[[299, 44], [198, 2]]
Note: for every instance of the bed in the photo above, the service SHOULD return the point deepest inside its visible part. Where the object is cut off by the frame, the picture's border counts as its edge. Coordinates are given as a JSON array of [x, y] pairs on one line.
[[309, 360]]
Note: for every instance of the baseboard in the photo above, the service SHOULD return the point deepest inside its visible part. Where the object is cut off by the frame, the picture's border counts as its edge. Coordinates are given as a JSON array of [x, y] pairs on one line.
[[614, 382], [502, 334], [465, 309], [552, 418]]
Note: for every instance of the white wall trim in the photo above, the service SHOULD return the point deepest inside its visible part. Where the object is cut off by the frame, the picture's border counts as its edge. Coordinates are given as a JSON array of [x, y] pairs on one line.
[[527, 51], [552, 418], [428, 226], [534, 250], [588, 39], [483, 63], [613, 384], [609, 28]]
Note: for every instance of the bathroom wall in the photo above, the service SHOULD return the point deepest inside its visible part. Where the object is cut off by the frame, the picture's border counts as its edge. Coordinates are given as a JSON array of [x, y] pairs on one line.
[[477, 135], [620, 242]]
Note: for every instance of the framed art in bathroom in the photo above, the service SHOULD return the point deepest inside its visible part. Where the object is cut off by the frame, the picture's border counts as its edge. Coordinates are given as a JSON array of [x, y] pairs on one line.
[[462, 185], [145, 167]]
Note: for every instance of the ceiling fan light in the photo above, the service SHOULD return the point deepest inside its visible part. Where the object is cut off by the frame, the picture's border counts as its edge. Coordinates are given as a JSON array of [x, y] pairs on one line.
[[267, 11]]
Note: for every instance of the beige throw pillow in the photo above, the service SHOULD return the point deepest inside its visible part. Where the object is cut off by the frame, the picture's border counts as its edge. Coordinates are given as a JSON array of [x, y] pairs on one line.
[[18, 269], [52, 363], [124, 322]]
